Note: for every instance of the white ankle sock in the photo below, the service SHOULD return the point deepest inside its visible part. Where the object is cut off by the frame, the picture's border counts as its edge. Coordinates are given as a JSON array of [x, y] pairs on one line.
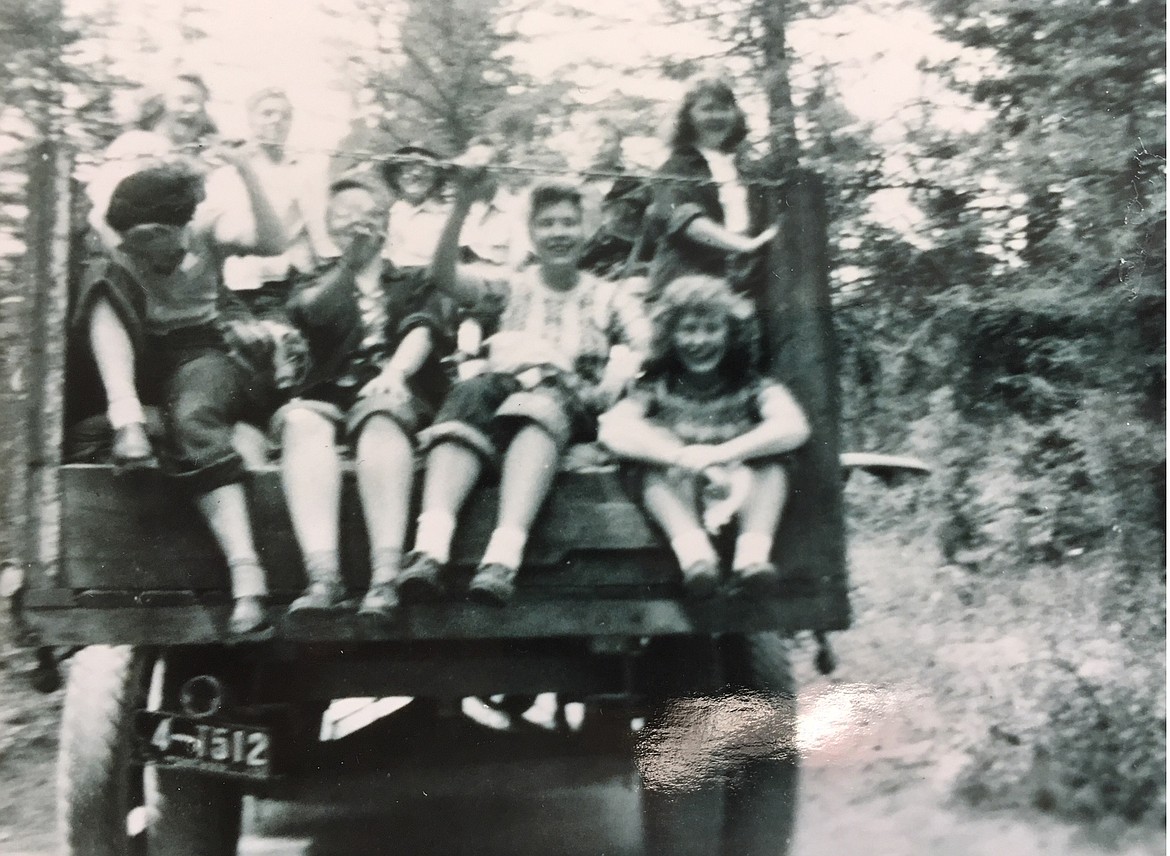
[[248, 579], [433, 537], [692, 547], [752, 548], [124, 411], [506, 547]]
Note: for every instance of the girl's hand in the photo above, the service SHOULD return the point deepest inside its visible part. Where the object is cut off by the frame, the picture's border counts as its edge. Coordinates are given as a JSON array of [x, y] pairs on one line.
[[391, 383], [762, 240], [471, 171], [697, 458]]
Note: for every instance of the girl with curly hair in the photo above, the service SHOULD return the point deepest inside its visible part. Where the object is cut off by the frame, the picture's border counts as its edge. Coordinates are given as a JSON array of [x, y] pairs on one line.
[[711, 432]]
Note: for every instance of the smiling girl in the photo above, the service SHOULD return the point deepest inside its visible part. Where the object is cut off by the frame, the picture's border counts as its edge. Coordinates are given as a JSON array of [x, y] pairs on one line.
[[707, 215], [704, 421]]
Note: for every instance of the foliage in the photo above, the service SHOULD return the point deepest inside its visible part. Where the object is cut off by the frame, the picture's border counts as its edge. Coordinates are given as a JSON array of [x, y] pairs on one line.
[[1097, 750], [441, 71]]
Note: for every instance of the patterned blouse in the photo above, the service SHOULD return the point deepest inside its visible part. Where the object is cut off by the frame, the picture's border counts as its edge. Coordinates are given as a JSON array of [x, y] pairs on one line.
[[708, 417]]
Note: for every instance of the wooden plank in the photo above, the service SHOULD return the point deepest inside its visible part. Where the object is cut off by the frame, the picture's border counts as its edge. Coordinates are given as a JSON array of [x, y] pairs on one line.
[[135, 532], [203, 624]]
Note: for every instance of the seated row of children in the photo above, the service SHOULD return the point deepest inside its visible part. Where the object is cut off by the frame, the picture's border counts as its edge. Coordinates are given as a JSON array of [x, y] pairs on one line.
[[356, 358]]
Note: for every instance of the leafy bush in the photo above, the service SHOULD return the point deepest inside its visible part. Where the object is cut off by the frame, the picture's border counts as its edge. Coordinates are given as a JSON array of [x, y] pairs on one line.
[[1098, 751]]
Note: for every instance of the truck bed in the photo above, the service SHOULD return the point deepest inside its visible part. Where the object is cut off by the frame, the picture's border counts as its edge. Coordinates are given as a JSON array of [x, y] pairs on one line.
[[137, 566]]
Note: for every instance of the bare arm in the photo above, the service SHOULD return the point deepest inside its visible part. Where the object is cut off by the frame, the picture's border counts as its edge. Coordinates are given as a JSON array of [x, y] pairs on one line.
[[626, 432], [270, 237], [705, 231], [411, 353], [784, 428], [462, 285]]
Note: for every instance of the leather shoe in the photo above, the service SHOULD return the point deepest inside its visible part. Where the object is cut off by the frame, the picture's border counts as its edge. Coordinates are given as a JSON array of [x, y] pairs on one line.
[[249, 617], [419, 581], [700, 579], [493, 585], [320, 596]]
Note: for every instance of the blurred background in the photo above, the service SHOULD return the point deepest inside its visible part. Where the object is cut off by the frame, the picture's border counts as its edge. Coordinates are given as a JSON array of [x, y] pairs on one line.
[[996, 181]]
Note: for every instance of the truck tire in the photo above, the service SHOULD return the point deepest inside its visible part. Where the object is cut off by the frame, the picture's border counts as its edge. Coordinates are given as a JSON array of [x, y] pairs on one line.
[[103, 795], [719, 770]]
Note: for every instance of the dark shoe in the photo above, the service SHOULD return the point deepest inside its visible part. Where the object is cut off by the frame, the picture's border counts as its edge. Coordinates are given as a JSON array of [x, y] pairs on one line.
[[320, 596], [131, 449], [379, 607], [700, 580], [492, 585], [419, 581], [758, 580], [249, 617]]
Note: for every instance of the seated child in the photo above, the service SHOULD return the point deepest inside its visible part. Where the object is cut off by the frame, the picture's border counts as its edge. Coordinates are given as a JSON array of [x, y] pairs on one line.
[[152, 315], [549, 370], [704, 420], [375, 334]]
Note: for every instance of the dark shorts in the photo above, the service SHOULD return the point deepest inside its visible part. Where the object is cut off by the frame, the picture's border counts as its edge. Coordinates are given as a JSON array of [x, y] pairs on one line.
[[204, 392], [349, 413], [485, 412]]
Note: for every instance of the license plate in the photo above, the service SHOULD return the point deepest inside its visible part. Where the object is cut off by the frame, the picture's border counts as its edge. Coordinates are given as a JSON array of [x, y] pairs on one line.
[[206, 745]]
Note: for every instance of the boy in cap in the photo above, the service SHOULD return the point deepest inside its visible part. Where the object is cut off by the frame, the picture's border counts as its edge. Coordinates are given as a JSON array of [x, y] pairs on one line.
[[152, 315]]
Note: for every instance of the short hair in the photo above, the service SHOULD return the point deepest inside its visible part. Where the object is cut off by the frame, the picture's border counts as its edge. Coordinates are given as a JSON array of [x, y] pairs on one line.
[[705, 294], [196, 80], [362, 181], [685, 134], [550, 193], [264, 94], [167, 195]]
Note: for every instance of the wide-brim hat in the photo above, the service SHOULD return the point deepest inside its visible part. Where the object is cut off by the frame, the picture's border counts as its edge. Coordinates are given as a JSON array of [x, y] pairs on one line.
[[423, 152]]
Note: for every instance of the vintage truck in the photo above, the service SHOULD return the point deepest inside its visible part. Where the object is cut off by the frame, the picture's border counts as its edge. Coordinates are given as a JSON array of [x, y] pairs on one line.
[[166, 728]]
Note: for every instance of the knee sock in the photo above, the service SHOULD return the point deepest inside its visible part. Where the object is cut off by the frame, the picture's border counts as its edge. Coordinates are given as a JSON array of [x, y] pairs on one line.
[[124, 411], [385, 562], [433, 537], [693, 547], [752, 548], [506, 547], [247, 576]]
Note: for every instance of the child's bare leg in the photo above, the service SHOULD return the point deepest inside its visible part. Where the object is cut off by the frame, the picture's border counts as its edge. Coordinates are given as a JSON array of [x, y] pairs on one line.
[[530, 465], [452, 471], [225, 509], [385, 464], [113, 352], [759, 520], [310, 471], [673, 503]]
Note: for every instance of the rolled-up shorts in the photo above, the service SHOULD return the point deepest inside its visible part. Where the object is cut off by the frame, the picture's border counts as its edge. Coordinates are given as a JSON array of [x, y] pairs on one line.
[[342, 406], [484, 413], [204, 391]]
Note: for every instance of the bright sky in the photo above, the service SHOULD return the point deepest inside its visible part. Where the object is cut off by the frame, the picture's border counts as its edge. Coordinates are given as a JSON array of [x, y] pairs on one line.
[[262, 42]]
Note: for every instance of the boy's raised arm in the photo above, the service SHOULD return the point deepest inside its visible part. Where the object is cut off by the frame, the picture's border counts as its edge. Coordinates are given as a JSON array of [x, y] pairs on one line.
[[445, 272]]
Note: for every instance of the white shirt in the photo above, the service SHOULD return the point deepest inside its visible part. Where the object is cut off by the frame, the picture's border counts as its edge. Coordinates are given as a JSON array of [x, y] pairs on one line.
[[732, 193]]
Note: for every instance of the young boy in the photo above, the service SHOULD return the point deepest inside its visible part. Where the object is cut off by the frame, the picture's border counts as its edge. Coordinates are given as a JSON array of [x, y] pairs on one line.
[[152, 316], [549, 373]]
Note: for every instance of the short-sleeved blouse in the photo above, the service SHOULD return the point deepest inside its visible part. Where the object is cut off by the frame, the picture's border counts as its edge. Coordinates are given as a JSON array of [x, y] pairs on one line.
[[713, 417]]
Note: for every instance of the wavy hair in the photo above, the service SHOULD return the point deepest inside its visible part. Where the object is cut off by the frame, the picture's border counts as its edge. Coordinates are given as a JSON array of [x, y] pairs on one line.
[[684, 134], [705, 294]]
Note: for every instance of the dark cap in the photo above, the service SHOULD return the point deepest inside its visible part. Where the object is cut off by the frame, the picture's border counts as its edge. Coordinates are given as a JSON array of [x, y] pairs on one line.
[[166, 194]]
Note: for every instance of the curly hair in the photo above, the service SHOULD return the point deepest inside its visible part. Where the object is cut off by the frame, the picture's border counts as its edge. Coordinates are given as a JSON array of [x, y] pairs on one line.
[[705, 294], [684, 133]]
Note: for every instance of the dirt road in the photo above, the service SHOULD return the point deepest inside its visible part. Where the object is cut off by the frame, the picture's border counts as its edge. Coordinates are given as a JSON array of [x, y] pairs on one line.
[[883, 742]]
